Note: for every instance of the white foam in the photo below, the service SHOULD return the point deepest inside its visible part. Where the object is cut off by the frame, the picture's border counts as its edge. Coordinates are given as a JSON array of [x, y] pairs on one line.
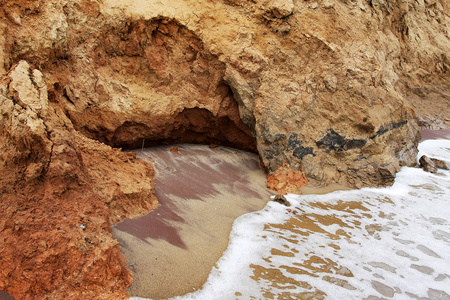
[[439, 149], [396, 243]]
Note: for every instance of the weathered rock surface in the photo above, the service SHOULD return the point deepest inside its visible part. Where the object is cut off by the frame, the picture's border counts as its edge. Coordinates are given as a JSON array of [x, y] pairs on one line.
[[323, 89], [431, 165], [285, 180], [59, 193], [427, 164], [319, 88], [440, 164]]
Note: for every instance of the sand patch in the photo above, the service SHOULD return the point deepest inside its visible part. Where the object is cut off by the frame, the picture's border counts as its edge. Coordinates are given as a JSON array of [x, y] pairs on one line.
[[202, 191]]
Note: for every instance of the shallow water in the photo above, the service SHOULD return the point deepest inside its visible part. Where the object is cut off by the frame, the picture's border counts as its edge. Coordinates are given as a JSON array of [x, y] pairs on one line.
[[366, 244]]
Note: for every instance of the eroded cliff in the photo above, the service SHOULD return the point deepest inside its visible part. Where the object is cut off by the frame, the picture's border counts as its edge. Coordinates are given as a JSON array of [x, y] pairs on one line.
[[60, 193], [324, 91]]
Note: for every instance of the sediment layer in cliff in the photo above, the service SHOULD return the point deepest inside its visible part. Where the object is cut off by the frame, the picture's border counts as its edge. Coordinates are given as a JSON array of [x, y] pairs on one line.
[[324, 92]]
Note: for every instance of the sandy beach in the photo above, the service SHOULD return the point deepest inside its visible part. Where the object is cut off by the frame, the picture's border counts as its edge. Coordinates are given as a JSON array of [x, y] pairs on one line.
[[429, 134], [202, 191], [372, 243], [5, 296]]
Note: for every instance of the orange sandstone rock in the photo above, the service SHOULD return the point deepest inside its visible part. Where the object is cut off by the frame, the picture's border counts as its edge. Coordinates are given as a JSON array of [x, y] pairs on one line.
[[285, 180], [59, 194]]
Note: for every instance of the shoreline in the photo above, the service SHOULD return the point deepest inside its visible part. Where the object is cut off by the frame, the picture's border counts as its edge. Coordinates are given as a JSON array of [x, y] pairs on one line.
[[166, 232], [359, 244], [172, 249], [161, 233], [431, 134]]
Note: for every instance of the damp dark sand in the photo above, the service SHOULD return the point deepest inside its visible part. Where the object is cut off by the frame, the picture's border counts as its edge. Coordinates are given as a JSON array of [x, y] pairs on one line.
[[5, 296], [202, 191], [428, 134]]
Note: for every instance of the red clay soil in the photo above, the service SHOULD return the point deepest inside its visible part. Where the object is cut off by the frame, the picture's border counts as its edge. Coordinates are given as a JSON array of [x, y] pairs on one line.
[[56, 241], [59, 194]]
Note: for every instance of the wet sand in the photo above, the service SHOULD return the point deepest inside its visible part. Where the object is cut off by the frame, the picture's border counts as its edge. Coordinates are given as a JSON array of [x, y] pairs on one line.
[[428, 134], [202, 191], [5, 296], [362, 221], [380, 243]]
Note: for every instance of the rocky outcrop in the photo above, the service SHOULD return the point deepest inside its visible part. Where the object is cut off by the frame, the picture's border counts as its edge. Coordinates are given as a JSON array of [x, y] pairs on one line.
[[292, 80], [281, 199], [440, 164], [59, 193], [324, 91], [427, 164], [432, 164]]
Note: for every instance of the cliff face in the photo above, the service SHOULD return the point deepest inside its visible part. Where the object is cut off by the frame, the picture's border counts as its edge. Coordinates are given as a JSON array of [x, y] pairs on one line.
[[324, 91], [60, 192]]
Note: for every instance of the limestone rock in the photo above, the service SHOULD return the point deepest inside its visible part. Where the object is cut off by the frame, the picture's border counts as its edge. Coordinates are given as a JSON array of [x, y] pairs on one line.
[[280, 8], [149, 75]]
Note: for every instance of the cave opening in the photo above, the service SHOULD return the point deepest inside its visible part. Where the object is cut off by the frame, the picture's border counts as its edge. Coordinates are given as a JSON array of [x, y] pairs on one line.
[[189, 126], [219, 126], [156, 84], [136, 61]]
